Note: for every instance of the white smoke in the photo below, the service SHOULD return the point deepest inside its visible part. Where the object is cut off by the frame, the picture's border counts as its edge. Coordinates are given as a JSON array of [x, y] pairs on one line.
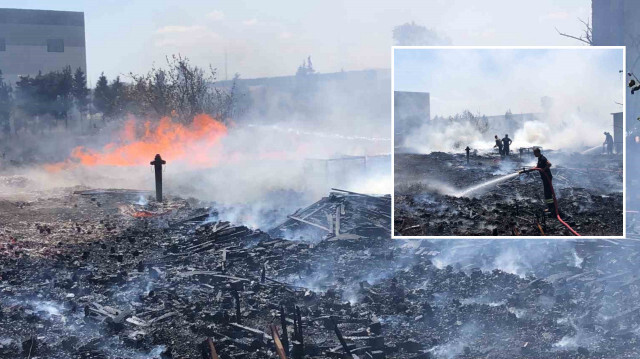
[[582, 88]]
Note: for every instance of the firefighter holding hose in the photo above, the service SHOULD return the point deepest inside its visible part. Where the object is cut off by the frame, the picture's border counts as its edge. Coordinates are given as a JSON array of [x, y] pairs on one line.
[[608, 142], [545, 166]]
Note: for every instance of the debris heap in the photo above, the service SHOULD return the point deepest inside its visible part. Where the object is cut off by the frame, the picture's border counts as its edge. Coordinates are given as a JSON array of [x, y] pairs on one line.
[[178, 286]]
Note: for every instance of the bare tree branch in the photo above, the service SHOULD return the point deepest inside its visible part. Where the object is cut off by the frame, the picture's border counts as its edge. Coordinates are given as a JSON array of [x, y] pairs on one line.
[[573, 37], [586, 37]]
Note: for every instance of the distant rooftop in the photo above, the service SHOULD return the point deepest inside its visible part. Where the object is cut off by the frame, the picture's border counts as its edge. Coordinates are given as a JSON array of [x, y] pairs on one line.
[[290, 79], [41, 17]]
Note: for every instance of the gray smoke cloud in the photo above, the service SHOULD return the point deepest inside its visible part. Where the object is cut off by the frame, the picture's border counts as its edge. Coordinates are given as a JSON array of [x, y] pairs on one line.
[[283, 153], [582, 87]]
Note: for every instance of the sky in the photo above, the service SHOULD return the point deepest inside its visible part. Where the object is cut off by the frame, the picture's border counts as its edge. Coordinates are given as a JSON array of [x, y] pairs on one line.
[[491, 81], [271, 38]]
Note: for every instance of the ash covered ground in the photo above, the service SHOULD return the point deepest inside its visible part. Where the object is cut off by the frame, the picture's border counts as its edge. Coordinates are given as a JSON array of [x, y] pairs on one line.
[[430, 197], [101, 274]]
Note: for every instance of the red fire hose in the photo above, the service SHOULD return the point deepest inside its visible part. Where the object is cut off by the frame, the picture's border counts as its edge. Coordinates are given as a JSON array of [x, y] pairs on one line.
[[555, 201]]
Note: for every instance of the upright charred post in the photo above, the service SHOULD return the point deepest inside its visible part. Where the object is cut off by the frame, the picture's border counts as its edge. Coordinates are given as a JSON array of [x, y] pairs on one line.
[[157, 164]]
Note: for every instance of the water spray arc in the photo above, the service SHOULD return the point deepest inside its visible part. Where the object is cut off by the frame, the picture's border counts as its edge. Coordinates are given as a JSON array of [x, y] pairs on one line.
[[475, 188], [590, 149]]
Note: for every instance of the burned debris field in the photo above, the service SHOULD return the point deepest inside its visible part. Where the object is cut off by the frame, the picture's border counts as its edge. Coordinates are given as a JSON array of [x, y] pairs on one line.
[[96, 274], [440, 194]]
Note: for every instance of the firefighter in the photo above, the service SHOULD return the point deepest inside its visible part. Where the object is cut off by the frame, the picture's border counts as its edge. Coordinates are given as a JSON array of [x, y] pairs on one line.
[[608, 142], [506, 141], [499, 145], [546, 177]]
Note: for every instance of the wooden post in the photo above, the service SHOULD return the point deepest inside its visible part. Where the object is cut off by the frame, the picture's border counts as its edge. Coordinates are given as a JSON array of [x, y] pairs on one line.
[[157, 164], [236, 296], [212, 349], [285, 334], [345, 347], [277, 342]]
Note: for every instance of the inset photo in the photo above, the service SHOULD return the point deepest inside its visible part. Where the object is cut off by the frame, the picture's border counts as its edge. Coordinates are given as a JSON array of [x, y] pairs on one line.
[[509, 141]]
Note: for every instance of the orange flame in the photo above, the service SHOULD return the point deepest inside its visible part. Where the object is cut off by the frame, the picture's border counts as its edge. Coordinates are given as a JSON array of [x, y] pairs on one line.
[[143, 214], [194, 143]]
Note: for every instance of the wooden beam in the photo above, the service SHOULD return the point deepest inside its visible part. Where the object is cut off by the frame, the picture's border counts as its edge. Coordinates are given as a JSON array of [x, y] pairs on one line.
[[310, 223]]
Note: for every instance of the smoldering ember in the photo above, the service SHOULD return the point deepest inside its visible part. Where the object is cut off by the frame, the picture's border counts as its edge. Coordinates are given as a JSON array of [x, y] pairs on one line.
[[446, 194]]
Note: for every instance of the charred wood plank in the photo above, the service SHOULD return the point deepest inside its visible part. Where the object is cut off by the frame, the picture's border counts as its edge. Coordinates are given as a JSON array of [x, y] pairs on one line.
[[209, 349], [310, 223], [361, 194], [258, 333], [277, 342], [285, 334], [345, 347]]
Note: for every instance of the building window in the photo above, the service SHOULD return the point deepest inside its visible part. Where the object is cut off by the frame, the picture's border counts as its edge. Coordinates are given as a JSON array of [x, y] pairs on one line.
[[55, 45], [3, 44]]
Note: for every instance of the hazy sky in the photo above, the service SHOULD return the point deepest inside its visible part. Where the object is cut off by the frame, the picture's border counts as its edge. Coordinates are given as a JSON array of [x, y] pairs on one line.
[[270, 38], [490, 81]]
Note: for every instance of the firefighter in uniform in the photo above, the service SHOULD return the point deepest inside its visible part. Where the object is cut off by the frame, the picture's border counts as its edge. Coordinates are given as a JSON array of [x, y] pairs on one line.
[[609, 143], [546, 177], [499, 145], [506, 142]]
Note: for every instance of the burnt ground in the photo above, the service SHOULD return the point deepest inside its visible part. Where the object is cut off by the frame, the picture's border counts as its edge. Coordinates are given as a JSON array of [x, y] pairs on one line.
[[428, 201], [93, 274]]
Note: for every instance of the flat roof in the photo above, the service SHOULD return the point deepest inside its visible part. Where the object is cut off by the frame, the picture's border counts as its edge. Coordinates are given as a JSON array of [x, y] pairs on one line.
[[41, 17]]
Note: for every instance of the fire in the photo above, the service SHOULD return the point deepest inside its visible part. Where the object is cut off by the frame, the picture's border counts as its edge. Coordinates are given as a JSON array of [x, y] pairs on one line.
[[195, 143], [143, 214]]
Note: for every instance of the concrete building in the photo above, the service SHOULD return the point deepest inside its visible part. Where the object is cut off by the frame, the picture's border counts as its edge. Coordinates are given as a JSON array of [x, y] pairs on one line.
[[618, 136], [410, 111], [615, 23], [40, 40]]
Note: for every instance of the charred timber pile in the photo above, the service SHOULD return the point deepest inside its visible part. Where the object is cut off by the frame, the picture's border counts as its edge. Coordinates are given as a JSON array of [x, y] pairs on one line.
[[588, 189], [341, 215], [183, 287]]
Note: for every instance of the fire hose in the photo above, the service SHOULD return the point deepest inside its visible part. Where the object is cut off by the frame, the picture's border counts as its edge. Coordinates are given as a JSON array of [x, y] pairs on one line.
[[555, 201]]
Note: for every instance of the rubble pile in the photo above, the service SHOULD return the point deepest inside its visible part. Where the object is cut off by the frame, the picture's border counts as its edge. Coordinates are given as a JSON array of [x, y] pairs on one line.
[[428, 201], [341, 215], [179, 285]]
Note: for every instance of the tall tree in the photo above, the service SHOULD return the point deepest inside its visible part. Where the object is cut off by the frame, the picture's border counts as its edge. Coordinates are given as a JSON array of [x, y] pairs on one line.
[[508, 116], [80, 91], [161, 97], [117, 98], [306, 68], [6, 105], [182, 90], [38, 99], [64, 94], [101, 95], [412, 34]]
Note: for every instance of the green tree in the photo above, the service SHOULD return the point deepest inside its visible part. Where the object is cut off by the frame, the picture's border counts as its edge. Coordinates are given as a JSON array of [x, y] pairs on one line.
[[80, 91], [101, 95], [306, 68], [6, 105], [117, 98], [37, 97], [412, 34], [508, 116], [64, 94]]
